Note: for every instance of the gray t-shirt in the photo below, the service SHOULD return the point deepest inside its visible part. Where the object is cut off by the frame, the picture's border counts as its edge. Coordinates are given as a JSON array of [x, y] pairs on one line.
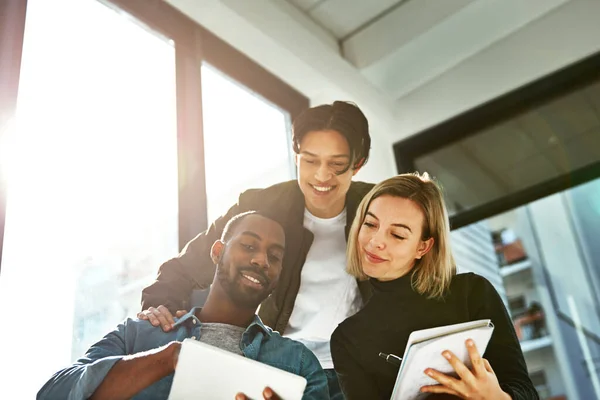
[[223, 336]]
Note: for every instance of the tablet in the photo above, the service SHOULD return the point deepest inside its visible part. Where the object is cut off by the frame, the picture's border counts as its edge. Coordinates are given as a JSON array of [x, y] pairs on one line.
[[207, 372], [424, 350]]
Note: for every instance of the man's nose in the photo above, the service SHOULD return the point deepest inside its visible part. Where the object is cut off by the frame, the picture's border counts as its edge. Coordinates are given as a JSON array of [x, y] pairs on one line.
[[323, 173], [261, 260]]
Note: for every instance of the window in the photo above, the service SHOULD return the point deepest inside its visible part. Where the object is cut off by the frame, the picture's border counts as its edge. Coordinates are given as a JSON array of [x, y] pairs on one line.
[[92, 190], [527, 165], [107, 174], [552, 286], [541, 144], [246, 140], [523, 146]]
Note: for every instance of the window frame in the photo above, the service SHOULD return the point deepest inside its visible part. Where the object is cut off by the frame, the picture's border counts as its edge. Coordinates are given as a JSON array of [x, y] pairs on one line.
[[12, 30], [194, 45], [502, 109]]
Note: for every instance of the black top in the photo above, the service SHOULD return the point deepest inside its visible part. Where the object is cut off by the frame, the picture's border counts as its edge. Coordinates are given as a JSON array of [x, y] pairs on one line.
[[395, 310]]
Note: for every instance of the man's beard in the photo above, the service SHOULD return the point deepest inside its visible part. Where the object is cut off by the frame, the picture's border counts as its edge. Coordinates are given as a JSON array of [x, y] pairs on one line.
[[242, 297]]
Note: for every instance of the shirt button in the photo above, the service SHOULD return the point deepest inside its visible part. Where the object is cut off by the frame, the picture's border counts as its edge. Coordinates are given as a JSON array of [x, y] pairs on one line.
[[194, 320]]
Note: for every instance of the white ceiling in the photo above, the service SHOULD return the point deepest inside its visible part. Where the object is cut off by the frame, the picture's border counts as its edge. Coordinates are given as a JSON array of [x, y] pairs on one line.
[[399, 45]]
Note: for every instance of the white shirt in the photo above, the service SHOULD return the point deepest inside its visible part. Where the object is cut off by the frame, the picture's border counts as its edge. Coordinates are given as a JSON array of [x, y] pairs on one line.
[[327, 294]]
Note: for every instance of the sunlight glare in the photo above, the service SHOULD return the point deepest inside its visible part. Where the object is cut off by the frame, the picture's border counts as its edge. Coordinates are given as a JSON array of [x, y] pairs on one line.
[[92, 200]]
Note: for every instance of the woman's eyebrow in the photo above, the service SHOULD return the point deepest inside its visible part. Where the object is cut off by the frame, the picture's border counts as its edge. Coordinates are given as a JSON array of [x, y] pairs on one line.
[[403, 226], [369, 213]]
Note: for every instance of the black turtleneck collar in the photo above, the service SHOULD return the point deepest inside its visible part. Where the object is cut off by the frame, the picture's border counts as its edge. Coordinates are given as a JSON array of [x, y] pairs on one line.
[[401, 284]]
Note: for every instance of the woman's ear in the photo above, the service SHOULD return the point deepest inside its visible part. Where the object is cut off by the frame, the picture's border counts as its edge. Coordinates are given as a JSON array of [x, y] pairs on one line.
[[424, 247], [216, 251]]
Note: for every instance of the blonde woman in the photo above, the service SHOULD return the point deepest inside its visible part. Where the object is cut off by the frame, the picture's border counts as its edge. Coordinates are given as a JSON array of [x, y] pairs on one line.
[[400, 242]]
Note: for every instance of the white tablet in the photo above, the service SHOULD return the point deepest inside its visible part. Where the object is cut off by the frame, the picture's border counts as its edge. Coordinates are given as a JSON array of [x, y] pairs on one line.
[[207, 372]]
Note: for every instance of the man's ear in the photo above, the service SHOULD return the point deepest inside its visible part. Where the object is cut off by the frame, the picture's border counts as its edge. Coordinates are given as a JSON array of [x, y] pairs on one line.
[[424, 247], [216, 251], [358, 165], [296, 158]]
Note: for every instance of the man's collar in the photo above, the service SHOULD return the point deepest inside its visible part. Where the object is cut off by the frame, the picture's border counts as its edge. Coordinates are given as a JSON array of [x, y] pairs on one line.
[[257, 322], [191, 316]]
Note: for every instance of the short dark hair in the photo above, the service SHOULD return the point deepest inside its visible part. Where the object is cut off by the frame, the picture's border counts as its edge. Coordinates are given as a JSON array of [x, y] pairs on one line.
[[232, 223], [343, 117], [236, 219]]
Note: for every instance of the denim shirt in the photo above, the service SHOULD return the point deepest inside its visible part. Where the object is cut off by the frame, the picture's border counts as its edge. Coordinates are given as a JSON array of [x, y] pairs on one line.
[[258, 342]]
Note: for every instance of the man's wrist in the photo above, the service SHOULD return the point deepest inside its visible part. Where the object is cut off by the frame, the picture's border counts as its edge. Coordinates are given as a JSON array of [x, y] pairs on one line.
[[172, 355]]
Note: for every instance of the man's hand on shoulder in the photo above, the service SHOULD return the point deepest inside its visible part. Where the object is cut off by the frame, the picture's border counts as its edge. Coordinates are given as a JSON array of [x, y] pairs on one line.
[[161, 316], [268, 394]]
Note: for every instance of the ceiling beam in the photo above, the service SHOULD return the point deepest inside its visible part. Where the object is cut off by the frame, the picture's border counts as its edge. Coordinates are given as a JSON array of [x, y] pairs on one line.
[[469, 28], [343, 17], [396, 29]]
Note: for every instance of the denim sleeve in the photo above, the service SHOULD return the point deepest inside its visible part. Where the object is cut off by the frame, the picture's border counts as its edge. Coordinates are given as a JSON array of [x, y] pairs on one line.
[[80, 380], [316, 385]]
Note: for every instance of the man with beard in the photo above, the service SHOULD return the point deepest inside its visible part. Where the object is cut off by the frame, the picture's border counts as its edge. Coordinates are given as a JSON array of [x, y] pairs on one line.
[[138, 359]]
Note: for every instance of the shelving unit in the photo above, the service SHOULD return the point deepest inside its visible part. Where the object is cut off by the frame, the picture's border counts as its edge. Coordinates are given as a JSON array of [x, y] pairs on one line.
[[515, 268], [536, 344], [528, 313]]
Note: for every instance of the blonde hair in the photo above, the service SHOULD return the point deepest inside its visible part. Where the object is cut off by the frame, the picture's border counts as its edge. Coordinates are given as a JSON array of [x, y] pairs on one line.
[[432, 274]]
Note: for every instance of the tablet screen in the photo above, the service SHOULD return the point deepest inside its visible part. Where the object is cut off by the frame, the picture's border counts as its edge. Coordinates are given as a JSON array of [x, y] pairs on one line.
[[205, 371]]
